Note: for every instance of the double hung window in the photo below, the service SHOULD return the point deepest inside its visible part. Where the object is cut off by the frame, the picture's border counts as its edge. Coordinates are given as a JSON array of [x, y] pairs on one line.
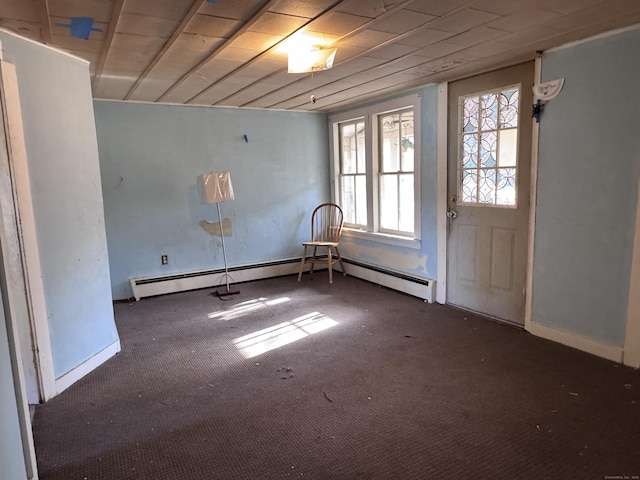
[[353, 169], [376, 168]]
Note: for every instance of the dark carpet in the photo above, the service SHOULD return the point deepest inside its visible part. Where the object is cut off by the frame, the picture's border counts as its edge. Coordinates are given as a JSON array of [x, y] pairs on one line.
[[346, 381]]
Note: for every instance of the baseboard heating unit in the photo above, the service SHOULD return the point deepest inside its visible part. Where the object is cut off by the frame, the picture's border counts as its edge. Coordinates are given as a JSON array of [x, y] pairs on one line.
[[418, 287], [180, 282]]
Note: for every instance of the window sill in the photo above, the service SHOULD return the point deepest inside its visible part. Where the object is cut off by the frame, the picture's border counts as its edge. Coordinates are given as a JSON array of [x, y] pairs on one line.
[[382, 238]]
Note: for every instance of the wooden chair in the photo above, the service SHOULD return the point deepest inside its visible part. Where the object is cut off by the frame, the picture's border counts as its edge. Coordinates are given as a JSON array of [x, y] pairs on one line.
[[326, 228]]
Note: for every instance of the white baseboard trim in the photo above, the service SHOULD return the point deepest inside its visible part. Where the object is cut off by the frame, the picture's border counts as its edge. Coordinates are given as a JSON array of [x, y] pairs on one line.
[[181, 282], [578, 342], [418, 287], [71, 377]]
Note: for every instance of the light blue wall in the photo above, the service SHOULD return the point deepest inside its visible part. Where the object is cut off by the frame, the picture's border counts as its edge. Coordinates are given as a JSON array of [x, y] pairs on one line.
[[60, 137], [150, 156], [11, 451], [588, 188], [422, 261]]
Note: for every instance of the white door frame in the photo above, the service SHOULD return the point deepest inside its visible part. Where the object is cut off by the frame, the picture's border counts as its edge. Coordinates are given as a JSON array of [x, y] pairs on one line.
[[442, 205], [26, 232], [442, 169], [10, 245], [533, 201]]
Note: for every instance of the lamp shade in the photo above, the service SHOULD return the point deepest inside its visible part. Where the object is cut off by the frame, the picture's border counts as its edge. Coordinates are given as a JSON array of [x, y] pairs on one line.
[[215, 187]]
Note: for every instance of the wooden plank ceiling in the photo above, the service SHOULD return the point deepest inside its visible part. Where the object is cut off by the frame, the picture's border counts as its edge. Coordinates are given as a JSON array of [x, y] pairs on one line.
[[226, 52]]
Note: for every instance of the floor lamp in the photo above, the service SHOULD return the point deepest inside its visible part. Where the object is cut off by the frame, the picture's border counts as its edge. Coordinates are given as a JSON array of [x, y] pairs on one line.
[[216, 188]]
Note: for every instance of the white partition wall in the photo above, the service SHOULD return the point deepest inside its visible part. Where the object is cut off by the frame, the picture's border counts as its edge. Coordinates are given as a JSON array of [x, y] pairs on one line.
[[57, 189]]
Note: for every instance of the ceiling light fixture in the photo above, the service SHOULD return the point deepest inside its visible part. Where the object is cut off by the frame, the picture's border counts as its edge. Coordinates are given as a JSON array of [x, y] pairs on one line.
[[311, 59]]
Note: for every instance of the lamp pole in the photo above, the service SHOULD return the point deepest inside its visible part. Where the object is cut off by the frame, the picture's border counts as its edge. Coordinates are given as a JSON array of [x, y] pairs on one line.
[[224, 251]]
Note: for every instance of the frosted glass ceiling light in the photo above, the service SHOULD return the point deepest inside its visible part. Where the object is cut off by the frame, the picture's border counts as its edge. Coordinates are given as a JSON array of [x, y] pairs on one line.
[[311, 59]]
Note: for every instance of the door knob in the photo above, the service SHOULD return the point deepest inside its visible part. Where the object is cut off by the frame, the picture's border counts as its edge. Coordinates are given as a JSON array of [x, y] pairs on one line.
[[451, 214]]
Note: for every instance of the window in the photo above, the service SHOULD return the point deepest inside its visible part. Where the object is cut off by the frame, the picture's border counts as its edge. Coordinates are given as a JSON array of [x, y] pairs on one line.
[[376, 169], [396, 154], [353, 187], [489, 148]]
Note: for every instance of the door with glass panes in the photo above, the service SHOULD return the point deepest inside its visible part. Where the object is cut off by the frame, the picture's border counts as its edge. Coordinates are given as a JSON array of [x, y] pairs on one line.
[[488, 191]]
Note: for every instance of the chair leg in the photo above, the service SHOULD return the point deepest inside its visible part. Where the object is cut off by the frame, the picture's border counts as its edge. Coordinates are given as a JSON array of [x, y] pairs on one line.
[[330, 265], [344, 272], [313, 259], [302, 260]]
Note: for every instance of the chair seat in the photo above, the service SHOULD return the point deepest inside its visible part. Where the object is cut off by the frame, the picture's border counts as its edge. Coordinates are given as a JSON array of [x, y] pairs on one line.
[[320, 244]]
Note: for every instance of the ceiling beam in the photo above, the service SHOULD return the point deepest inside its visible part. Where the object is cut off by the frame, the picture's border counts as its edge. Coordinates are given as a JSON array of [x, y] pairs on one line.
[[167, 46], [242, 29], [113, 24]]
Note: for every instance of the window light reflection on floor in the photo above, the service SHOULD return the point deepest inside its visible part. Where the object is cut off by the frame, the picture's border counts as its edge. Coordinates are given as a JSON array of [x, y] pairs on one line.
[[247, 307], [282, 334]]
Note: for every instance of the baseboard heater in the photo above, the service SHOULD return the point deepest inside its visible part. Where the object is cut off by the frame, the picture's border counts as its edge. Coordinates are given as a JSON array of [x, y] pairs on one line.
[[416, 286], [180, 282]]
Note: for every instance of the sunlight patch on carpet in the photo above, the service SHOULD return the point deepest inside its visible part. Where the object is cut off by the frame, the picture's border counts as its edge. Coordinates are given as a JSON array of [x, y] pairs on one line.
[[282, 334], [245, 308]]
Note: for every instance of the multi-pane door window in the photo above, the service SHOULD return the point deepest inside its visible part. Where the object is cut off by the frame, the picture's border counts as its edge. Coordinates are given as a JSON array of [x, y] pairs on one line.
[[376, 167], [489, 150], [396, 163], [353, 170]]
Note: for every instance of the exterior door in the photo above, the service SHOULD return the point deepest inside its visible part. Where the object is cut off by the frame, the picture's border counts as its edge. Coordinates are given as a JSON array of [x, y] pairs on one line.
[[488, 191]]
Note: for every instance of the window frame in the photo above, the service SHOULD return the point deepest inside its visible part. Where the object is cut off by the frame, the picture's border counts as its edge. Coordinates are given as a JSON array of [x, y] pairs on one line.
[[371, 115]]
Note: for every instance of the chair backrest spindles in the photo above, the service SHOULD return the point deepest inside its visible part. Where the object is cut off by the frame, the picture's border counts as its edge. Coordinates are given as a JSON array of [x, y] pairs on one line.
[[326, 223]]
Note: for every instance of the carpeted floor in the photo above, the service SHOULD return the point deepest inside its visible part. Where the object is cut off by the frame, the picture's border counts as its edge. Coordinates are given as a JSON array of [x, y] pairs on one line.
[[349, 381]]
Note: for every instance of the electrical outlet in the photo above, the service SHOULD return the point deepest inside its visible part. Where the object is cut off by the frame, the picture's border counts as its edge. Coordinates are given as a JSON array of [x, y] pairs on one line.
[[165, 259]]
